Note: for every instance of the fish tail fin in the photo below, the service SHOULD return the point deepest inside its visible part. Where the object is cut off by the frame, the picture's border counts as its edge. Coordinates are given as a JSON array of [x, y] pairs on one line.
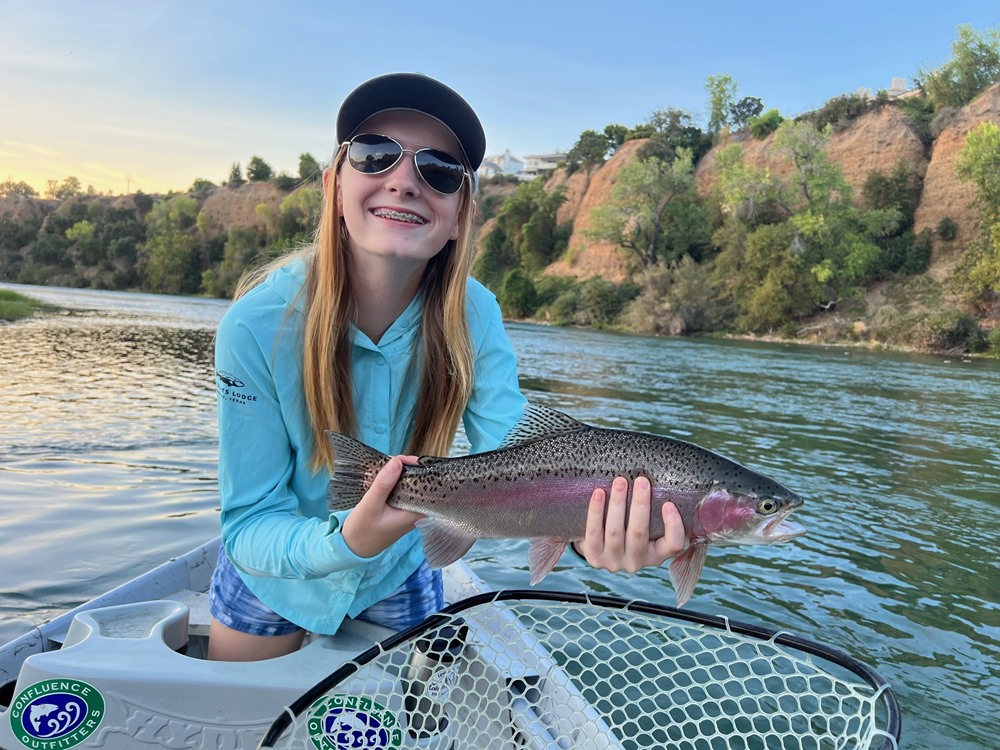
[[686, 569], [354, 467]]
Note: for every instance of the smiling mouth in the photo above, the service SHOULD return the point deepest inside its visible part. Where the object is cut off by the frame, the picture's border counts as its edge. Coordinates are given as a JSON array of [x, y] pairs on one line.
[[388, 213]]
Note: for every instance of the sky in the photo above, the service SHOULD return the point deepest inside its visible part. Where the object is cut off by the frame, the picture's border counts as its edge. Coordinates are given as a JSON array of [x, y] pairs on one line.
[[133, 95]]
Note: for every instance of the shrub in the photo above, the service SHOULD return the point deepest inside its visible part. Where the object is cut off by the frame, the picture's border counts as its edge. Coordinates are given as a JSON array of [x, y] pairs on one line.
[[899, 190], [839, 111], [947, 229], [767, 123], [563, 309], [518, 297], [993, 341], [550, 288], [954, 332]]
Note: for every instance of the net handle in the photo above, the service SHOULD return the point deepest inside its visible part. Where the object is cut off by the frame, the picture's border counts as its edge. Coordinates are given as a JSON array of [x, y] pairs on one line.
[[891, 733]]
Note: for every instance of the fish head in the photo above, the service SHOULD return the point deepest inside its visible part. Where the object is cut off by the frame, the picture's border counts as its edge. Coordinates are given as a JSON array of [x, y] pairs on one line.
[[754, 516]]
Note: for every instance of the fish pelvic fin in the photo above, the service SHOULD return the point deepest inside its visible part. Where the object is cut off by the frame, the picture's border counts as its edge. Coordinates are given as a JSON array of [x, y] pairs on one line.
[[443, 542], [543, 556], [354, 467], [538, 422], [686, 569]]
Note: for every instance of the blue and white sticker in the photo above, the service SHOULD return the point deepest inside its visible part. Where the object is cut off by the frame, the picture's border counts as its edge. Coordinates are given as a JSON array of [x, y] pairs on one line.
[[346, 722], [56, 714]]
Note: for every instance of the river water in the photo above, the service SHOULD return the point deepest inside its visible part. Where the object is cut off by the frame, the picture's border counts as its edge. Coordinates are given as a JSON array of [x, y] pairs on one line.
[[108, 467]]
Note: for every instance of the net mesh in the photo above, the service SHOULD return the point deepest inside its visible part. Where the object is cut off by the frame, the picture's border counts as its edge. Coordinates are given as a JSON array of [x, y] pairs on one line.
[[520, 673]]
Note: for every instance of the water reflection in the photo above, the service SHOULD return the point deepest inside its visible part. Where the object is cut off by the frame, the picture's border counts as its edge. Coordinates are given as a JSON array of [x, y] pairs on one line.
[[109, 435]]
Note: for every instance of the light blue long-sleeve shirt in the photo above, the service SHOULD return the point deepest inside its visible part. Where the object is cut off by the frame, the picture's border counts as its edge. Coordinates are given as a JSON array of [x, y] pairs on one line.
[[275, 524]]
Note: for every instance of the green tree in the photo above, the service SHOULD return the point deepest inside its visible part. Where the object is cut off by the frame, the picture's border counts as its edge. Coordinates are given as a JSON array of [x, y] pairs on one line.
[[298, 214], [745, 111], [83, 236], [789, 245], [978, 274], [70, 186], [236, 175], [974, 67], [179, 213], [721, 95], [616, 135], [242, 247], [588, 152], [259, 170], [669, 130], [200, 184], [169, 262], [525, 235], [637, 215], [767, 123], [309, 169], [518, 297], [11, 189], [979, 164]]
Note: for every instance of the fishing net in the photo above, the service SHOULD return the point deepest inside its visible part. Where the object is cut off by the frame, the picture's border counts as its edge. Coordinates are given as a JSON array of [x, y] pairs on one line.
[[533, 669]]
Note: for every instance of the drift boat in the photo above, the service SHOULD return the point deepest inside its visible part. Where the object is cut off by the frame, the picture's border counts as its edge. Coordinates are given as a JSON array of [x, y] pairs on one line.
[[494, 670]]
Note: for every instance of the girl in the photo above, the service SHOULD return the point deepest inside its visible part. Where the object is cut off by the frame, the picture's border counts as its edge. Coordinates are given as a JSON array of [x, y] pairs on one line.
[[375, 330]]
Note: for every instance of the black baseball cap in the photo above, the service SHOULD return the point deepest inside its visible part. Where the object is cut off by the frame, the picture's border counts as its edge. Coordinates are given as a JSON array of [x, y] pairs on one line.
[[422, 94]]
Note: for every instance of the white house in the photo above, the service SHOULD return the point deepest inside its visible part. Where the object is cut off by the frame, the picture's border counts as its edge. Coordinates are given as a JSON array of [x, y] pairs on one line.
[[536, 164], [505, 163]]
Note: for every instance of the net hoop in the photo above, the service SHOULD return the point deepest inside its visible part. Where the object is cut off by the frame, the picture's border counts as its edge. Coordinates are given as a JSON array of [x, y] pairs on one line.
[[797, 650]]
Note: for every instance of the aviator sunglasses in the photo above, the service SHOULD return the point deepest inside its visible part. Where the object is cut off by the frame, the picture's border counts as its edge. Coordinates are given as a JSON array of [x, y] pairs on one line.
[[371, 153]]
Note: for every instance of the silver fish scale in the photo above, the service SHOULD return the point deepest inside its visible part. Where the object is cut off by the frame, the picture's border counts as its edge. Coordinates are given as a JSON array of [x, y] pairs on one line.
[[592, 452], [543, 487]]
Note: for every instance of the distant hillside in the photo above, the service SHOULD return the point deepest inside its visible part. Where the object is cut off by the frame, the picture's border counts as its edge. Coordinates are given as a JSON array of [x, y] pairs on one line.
[[877, 140]]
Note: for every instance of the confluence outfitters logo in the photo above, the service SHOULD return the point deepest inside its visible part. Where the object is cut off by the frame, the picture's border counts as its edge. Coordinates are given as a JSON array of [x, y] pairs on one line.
[[56, 714], [345, 722]]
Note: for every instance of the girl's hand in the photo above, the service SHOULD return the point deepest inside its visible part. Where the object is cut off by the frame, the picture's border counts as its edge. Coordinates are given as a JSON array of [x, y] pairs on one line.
[[372, 526], [613, 545]]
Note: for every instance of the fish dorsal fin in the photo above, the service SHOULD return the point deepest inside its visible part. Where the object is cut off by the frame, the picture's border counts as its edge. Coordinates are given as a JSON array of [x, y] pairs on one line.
[[538, 422]]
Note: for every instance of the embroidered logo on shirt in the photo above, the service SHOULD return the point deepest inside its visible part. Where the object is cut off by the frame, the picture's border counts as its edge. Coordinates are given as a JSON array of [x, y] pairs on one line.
[[229, 389]]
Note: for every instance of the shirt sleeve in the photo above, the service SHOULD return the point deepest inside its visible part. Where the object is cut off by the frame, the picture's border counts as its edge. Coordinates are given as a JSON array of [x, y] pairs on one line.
[[496, 402], [262, 528]]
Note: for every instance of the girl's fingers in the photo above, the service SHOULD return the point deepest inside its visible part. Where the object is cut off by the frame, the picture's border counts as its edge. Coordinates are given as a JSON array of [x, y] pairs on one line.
[[614, 524], [593, 539], [637, 546]]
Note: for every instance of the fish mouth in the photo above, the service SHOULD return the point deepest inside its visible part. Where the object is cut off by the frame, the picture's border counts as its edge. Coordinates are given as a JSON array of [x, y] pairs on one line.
[[778, 528]]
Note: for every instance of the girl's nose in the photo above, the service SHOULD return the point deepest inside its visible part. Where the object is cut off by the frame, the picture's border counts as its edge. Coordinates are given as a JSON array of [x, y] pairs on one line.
[[403, 177]]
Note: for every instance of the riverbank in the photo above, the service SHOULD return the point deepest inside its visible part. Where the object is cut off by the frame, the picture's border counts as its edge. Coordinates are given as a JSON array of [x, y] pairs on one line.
[[14, 306]]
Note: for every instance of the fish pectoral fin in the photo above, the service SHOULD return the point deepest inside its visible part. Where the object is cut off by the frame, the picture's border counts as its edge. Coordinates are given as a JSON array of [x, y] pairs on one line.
[[543, 556], [686, 569], [443, 542]]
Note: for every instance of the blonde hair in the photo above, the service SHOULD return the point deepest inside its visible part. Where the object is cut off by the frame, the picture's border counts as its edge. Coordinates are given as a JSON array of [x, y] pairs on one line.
[[445, 375]]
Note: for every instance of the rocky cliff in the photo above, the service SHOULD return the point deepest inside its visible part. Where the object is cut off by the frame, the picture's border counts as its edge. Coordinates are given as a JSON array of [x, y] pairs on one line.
[[878, 140], [944, 195]]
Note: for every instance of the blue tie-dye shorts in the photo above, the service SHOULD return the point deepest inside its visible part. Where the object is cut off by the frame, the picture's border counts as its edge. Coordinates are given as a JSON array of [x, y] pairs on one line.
[[234, 605]]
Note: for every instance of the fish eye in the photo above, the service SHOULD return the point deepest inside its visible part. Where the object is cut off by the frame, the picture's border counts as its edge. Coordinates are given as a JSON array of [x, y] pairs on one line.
[[767, 506]]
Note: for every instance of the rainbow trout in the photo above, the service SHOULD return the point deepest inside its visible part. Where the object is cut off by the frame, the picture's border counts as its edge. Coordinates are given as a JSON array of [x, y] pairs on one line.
[[537, 485]]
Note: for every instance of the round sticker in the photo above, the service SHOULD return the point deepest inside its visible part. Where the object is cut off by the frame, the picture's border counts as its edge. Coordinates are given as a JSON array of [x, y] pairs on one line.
[[344, 722], [56, 714]]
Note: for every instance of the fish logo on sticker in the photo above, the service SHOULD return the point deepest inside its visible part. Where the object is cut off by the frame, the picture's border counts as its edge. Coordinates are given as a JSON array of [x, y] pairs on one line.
[[56, 714], [345, 722]]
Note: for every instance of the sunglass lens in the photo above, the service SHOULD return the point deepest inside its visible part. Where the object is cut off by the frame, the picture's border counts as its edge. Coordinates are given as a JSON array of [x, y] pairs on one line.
[[439, 170], [372, 154]]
